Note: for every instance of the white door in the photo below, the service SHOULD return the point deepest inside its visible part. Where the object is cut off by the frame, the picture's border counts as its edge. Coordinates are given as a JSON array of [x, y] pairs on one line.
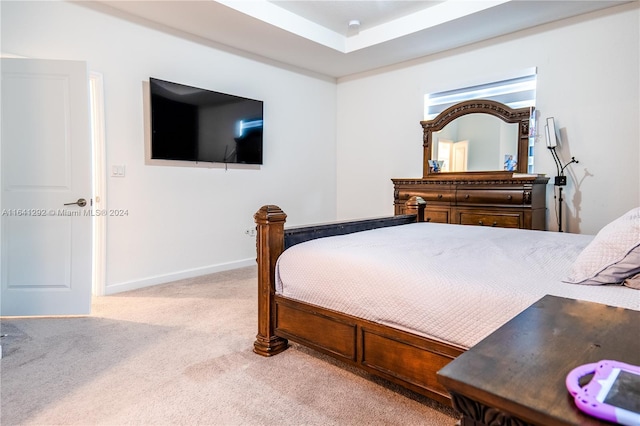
[[459, 162], [46, 163], [444, 154]]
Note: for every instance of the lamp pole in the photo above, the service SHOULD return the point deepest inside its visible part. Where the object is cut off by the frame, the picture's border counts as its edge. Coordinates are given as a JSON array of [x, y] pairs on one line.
[[560, 209]]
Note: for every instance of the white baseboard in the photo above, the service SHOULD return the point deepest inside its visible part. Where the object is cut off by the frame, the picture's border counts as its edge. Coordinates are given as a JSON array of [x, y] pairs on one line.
[[189, 273]]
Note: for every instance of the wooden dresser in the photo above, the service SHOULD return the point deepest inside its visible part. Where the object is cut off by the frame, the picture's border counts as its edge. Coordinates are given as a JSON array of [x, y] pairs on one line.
[[465, 188], [484, 199]]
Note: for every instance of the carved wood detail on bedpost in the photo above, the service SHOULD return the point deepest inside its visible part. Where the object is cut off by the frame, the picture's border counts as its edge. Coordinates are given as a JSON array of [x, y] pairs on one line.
[[270, 221]]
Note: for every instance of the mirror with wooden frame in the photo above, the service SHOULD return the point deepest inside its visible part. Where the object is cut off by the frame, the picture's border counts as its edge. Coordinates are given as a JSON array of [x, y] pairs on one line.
[[477, 136]]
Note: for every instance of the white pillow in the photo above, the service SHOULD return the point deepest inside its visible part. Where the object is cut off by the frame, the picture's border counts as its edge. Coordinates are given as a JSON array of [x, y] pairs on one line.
[[612, 256]]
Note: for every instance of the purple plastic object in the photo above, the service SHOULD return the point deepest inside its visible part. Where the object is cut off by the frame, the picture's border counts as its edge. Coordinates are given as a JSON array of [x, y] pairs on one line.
[[612, 394]]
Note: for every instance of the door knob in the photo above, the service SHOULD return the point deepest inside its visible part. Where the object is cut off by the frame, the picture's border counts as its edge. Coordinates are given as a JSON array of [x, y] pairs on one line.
[[81, 202]]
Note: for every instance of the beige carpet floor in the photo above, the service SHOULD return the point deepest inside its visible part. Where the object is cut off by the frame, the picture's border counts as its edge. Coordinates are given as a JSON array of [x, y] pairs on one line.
[[181, 354]]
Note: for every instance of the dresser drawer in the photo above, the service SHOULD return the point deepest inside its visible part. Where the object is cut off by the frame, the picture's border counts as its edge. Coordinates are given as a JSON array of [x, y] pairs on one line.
[[489, 196], [436, 216], [500, 220], [434, 193]]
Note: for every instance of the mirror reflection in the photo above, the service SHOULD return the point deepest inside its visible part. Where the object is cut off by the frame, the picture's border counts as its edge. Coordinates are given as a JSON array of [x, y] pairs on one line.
[[475, 142]]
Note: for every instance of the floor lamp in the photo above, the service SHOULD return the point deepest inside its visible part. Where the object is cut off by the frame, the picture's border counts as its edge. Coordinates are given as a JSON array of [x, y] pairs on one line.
[[561, 179]]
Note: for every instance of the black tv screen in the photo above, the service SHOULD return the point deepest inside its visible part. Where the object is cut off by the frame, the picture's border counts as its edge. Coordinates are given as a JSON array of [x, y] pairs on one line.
[[192, 124]]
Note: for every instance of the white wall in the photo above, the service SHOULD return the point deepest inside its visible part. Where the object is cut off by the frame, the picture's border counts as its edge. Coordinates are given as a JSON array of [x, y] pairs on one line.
[[587, 79], [187, 221]]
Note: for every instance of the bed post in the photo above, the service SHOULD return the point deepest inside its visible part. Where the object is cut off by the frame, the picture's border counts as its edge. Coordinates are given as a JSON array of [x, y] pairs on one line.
[[415, 205], [269, 244]]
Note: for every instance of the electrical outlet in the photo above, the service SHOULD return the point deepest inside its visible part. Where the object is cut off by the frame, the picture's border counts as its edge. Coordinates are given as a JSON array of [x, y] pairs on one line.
[[250, 232], [561, 180]]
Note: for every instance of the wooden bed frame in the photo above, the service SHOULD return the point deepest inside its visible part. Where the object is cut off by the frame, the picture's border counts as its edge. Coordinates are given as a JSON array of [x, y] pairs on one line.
[[404, 358]]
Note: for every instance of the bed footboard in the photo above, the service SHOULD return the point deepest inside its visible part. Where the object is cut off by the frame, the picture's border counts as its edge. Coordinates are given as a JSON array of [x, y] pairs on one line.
[[404, 358], [272, 240]]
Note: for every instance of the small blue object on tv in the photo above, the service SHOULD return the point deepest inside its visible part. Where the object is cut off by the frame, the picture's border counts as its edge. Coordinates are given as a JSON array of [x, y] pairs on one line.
[[192, 124]]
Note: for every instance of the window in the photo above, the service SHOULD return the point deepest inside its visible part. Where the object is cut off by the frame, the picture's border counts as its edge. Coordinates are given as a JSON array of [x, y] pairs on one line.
[[516, 92]]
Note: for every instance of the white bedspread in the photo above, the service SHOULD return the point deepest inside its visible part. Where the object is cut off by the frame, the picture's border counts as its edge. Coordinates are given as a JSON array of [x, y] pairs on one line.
[[455, 283]]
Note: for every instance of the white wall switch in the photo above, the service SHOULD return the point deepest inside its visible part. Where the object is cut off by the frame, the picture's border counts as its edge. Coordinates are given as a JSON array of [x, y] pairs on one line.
[[117, 170]]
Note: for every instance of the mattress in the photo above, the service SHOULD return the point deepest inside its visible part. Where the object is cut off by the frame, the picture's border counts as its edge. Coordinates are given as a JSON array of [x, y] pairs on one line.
[[453, 283]]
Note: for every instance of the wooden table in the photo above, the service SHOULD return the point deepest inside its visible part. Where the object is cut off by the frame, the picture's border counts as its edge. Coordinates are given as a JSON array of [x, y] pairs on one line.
[[516, 376]]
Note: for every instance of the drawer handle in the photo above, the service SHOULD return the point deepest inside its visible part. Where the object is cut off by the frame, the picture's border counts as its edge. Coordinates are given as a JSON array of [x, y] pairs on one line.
[[481, 223], [466, 196], [439, 195], [428, 219], [509, 197]]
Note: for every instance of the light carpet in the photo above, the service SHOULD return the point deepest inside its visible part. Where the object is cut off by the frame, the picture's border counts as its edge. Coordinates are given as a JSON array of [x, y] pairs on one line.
[[181, 354]]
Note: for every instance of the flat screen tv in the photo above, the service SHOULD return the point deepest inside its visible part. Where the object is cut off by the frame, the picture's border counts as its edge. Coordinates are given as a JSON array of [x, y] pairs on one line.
[[192, 124]]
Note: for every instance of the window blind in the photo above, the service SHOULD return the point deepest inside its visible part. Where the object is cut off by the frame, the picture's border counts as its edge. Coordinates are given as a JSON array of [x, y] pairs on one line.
[[518, 92]]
